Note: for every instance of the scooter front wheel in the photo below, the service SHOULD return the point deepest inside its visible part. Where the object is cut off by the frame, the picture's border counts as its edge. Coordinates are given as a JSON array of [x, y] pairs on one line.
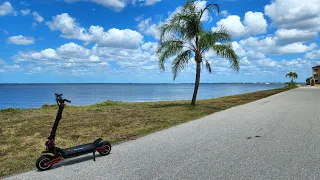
[[106, 148], [40, 164]]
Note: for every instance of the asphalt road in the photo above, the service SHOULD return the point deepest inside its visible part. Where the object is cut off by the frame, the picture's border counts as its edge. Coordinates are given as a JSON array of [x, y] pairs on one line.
[[220, 146]]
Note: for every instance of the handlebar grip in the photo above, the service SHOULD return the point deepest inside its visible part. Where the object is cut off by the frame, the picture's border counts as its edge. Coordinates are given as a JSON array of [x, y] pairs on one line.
[[67, 100]]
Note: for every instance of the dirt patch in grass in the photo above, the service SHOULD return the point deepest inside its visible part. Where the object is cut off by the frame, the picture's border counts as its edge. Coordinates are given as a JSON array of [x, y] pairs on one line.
[[23, 132]]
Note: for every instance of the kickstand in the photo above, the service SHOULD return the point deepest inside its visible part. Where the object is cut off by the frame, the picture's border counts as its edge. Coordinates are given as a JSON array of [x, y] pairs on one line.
[[94, 155]]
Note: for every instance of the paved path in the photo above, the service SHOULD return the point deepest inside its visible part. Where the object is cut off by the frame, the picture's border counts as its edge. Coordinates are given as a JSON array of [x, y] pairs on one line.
[[219, 146]]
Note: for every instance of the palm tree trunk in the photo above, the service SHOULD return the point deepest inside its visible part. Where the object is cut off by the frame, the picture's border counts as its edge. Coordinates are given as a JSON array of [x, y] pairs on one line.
[[196, 85]]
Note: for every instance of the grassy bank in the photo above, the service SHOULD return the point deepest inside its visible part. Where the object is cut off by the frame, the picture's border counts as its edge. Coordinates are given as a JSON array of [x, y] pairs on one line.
[[23, 132]]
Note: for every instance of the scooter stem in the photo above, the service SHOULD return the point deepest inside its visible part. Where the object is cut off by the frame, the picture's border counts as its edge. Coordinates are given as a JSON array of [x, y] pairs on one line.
[[56, 122]]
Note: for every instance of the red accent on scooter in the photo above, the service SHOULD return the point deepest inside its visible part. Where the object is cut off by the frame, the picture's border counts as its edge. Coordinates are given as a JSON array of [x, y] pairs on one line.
[[53, 161], [100, 149]]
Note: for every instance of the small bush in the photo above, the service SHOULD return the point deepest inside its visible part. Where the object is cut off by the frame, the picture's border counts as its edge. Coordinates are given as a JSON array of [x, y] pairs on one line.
[[291, 85], [10, 110], [48, 105], [107, 103]]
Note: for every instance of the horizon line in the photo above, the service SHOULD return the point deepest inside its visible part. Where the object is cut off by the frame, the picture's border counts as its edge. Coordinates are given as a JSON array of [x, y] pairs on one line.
[[146, 83]]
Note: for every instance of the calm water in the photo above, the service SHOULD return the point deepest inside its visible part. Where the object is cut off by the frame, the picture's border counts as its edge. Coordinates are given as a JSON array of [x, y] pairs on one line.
[[35, 95]]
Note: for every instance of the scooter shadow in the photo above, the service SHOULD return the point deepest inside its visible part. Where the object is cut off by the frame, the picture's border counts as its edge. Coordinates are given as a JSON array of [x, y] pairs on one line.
[[75, 160]]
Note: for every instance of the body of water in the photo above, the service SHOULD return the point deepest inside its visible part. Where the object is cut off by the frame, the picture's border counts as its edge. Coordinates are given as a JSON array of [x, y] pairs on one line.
[[35, 95]]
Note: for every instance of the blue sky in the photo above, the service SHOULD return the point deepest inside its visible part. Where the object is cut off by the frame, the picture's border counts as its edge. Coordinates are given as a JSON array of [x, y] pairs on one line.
[[103, 41]]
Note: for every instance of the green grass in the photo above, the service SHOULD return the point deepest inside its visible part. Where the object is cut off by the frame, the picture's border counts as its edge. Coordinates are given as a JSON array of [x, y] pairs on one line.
[[24, 131]]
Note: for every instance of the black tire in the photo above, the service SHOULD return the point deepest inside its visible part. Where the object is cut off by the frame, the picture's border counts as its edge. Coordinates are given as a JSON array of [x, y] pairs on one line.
[[107, 146], [40, 162]]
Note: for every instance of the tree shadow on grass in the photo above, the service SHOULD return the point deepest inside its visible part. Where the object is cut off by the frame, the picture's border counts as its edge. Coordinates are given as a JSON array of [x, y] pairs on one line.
[[170, 105]]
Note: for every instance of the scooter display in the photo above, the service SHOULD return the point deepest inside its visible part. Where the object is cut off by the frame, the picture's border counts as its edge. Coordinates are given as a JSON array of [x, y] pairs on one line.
[[53, 154]]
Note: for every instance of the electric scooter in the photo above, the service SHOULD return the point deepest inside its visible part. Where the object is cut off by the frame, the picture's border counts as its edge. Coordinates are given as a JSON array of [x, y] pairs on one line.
[[52, 155]]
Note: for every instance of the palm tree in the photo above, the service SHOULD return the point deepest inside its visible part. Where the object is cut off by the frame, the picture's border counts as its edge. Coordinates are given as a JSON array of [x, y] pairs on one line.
[[292, 75], [184, 37]]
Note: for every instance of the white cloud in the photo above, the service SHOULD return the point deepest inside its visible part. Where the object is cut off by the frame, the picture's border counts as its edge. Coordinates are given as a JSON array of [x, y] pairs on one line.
[[295, 63], [238, 49], [151, 67], [24, 3], [245, 62], [116, 5], [4, 31], [70, 29], [147, 27], [125, 38], [41, 56], [20, 40], [201, 5], [94, 58], [313, 55], [150, 2], [268, 66], [295, 14], [6, 9], [254, 24], [150, 46], [267, 63], [296, 48], [127, 57], [224, 13], [80, 59], [233, 24], [25, 12], [47, 54], [269, 45], [286, 36], [14, 67], [37, 17], [254, 62], [73, 49], [254, 55], [2, 62]]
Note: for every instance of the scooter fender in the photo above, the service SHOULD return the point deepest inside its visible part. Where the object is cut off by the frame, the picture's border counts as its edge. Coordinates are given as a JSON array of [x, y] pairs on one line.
[[47, 153]]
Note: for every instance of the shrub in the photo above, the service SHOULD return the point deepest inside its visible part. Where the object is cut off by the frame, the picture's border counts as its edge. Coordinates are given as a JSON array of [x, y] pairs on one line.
[[291, 85]]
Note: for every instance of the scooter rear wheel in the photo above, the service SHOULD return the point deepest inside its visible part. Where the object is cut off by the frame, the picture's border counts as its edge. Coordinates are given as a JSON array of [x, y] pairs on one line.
[[107, 148], [40, 164]]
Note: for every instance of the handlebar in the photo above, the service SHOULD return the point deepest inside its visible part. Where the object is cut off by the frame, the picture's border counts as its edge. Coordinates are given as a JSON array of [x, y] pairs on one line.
[[60, 100]]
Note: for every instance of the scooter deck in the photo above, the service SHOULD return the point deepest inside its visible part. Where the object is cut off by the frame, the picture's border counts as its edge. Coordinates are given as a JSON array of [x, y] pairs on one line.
[[78, 150]]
